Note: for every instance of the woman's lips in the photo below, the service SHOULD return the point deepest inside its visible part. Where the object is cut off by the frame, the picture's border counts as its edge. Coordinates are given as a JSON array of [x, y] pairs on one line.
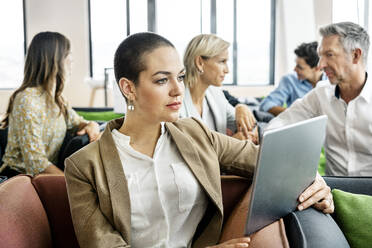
[[174, 105]]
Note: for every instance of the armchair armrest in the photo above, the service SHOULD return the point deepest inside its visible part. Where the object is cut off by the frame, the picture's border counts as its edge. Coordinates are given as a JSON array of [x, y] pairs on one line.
[[311, 228], [356, 185]]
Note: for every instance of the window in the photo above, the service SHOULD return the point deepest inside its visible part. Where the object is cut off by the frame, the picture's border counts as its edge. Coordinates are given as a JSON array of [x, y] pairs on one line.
[[351, 11], [225, 30], [253, 42], [108, 29], [12, 44], [138, 15], [179, 26], [247, 25]]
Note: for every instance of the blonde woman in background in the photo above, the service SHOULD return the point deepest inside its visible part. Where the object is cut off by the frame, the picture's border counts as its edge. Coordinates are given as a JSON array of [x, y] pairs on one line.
[[205, 61], [38, 116]]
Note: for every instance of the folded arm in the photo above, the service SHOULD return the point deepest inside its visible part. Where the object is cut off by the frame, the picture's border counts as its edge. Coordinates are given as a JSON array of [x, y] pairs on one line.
[[83, 127]]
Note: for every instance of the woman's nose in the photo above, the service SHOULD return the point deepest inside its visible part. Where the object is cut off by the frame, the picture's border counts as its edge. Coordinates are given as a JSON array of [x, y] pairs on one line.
[[177, 88]]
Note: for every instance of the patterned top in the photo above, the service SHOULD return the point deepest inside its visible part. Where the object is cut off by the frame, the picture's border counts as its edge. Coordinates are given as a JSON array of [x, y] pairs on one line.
[[36, 132]]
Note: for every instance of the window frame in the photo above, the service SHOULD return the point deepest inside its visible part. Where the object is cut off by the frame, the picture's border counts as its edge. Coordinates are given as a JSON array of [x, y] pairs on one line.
[[152, 26], [24, 39]]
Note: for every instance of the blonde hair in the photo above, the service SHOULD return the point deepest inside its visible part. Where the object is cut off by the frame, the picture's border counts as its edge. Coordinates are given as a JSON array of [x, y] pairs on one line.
[[206, 46]]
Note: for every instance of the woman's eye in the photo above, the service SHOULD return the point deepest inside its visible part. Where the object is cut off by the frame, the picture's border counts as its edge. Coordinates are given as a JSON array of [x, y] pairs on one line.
[[181, 78], [162, 81]]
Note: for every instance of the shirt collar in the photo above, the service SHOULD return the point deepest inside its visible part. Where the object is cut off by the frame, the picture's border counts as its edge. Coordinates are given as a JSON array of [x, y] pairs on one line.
[[162, 128], [125, 139], [337, 92], [365, 93]]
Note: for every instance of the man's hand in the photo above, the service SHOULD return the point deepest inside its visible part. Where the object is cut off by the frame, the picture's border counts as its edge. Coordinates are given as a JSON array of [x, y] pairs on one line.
[[319, 195], [92, 129]]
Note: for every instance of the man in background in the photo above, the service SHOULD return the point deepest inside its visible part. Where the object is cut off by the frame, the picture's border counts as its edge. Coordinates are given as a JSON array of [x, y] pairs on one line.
[[347, 101], [297, 84]]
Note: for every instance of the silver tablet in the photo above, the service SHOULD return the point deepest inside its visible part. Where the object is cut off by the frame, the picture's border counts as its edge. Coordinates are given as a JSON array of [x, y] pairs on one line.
[[286, 166]]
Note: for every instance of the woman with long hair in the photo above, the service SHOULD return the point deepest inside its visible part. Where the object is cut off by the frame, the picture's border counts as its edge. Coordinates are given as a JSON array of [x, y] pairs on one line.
[[152, 179], [205, 61], [38, 116]]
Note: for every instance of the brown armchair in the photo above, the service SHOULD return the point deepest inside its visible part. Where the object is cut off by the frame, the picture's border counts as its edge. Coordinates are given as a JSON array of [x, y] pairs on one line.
[[34, 212]]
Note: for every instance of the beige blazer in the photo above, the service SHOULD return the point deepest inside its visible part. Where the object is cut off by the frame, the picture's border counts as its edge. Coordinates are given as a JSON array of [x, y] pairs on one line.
[[98, 190]]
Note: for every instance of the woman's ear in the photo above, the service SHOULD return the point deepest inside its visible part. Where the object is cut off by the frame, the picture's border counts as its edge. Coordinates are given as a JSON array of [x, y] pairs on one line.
[[199, 63], [127, 88]]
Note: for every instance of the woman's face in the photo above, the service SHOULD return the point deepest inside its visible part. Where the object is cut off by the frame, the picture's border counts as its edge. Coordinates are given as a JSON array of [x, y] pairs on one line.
[[215, 69], [159, 92]]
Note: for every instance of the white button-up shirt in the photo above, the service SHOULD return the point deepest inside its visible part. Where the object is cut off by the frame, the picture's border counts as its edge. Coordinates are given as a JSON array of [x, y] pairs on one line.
[[348, 144], [167, 202]]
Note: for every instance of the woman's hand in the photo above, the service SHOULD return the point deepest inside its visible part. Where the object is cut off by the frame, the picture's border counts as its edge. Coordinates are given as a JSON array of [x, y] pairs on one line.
[[233, 243], [319, 195], [239, 136], [92, 129], [245, 120], [252, 136]]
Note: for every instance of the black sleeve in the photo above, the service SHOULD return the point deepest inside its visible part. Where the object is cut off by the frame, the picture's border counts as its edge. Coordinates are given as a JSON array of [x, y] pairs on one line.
[[232, 99]]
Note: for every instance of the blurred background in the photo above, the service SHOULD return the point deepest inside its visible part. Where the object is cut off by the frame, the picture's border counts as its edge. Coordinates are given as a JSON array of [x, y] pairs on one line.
[[262, 33]]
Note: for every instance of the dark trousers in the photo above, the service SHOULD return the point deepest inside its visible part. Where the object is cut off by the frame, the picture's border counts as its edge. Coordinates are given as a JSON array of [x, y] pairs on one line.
[[9, 172]]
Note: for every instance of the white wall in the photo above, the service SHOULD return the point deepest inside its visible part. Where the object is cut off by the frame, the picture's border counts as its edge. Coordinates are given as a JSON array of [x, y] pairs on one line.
[[69, 17], [297, 22], [4, 99], [323, 14]]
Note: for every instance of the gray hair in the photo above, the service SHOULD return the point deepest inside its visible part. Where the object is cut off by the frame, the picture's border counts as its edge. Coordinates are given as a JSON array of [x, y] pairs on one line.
[[351, 36]]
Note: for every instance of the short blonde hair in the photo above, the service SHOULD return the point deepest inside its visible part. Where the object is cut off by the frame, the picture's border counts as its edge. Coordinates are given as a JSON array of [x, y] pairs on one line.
[[206, 46]]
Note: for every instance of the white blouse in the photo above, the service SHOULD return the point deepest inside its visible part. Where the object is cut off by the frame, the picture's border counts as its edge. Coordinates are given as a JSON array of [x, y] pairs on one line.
[[167, 202]]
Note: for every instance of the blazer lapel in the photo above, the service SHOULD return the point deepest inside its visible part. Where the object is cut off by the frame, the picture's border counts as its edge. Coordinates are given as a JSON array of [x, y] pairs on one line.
[[218, 112], [192, 159], [190, 110], [116, 180]]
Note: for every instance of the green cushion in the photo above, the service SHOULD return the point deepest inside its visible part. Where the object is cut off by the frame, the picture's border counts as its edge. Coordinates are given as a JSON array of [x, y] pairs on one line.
[[99, 116], [322, 163], [354, 216]]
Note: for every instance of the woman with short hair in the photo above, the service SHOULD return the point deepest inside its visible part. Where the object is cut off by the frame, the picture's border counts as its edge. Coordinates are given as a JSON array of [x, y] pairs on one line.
[[152, 179]]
